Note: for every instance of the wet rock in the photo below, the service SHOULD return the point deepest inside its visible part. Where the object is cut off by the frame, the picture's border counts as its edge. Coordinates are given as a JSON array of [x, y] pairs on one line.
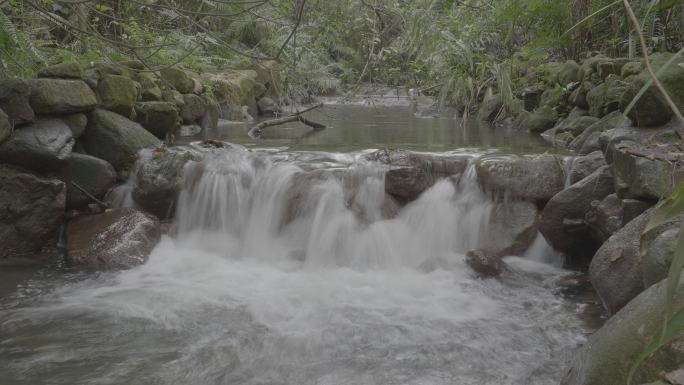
[[611, 214], [114, 138], [583, 166], [43, 145], [117, 94], [490, 108], [94, 175], [61, 97], [31, 211], [569, 73], [652, 109], [14, 100], [116, 239], [159, 180], [159, 118], [484, 264], [412, 173], [532, 177], [610, 352], [178, 79], [512, 228], [5, 127], [66, 70], [193, 109], [562, 220], [589, 140]]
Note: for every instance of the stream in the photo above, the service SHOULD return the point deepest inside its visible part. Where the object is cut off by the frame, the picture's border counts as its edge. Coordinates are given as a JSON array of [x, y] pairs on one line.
[[273, 278]]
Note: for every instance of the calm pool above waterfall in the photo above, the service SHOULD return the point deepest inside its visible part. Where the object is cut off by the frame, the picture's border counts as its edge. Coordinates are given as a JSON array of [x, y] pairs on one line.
[[325, 288]]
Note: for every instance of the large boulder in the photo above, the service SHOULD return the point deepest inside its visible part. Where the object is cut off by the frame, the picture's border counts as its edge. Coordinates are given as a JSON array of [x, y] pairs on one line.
[[117, 94], [60, 97], [43, 145], [116, 239], [77, 123], [490, 107], [14, 100], [234, 89], [610, 352], [652, 109], [562, 220], [94, 175], [531, 177], [616, 270], [511, 229], [159, 180], [611, 214], [114, 138], [583, 166], [606, 98], [66, 70], [178, 79], [539, 120], [5, 127], [567, 129], [150, 89], [31, 212], [643, 177], [657, 255], [411, 173], [159, 118]]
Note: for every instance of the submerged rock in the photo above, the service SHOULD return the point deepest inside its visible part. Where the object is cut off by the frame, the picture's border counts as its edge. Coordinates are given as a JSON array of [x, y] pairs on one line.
[[14, 100], [60, 97], [31, 212], [43, 145], [531, 177], [159, 180], [484, 264], [114, 138], [610, 352], [116, 239]]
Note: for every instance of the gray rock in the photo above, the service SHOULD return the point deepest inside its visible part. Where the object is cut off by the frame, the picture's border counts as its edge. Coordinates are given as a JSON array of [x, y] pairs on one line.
[[159, 180], [94, 175], [589, 140], [610, 352], [631, 68], [61, 97], [562, 220], [490, 108], [539, 120], [14, 100], [413, 173], [43, 145], [484, 264], [116, 239], [569, 73], [657, 256], [77, 123], [31, 212], [583, 166], [267, 106], [66, 70], [611, 214], [159, 118], [193, 109], [5, 127], [530, 177], [114, 138], [117, 94]]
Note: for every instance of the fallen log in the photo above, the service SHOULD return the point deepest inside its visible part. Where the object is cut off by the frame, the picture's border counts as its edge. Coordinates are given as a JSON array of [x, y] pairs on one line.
[[257, 130]]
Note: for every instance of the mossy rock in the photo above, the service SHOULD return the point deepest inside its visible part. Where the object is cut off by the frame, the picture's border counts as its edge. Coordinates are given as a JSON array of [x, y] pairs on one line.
[[66, 70], [5, 127], [14, 101], [568, 73], [118, 94], [631, 68], [60, 97], [194, 108], [159, 118], [150, 91], [178, 79], [588, 140]]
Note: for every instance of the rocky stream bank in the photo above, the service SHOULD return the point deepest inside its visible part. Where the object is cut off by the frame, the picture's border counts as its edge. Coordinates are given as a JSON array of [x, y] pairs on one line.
[[70, 145]]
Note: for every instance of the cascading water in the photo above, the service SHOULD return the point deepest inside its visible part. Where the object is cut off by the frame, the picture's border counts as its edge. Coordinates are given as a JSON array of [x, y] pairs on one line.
[[299, 269]]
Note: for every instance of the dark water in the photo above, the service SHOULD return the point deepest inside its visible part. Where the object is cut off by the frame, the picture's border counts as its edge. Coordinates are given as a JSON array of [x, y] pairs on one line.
[[354, 127]]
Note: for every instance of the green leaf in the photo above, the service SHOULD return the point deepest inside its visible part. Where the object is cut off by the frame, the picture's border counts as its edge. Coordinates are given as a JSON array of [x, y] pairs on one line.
[[588, 18], [676, 268]]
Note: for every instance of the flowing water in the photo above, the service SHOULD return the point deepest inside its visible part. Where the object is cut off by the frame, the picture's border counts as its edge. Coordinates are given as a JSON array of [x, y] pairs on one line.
[[291, 267]]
